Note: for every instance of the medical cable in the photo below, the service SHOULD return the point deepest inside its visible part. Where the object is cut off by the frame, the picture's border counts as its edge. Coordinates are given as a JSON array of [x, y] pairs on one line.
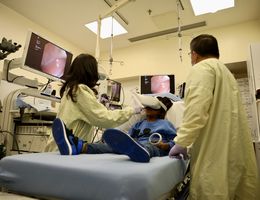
[[7, 73], [95, 135], [15, 139], [44, 87]]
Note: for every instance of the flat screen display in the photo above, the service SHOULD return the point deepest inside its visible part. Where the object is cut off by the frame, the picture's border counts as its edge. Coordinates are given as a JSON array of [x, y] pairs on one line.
[[154, 84], [115, 91], [45, 58]]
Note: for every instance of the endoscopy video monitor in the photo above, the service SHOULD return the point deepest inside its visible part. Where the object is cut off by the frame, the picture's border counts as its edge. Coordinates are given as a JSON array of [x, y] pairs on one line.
[[155, 84], [45, 58]]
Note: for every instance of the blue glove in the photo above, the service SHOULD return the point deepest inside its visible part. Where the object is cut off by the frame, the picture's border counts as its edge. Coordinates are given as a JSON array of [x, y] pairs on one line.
[[178, 152]]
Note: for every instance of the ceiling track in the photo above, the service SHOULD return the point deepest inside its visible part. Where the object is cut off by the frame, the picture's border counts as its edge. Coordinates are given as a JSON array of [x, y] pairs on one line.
[[168, 31], [119, 15]]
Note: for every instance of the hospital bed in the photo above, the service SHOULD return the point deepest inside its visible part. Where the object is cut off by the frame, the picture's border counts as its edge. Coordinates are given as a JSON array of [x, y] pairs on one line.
[[93, 177]]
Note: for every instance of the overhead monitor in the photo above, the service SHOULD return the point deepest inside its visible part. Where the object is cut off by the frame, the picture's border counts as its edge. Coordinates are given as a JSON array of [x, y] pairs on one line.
[[45, 58], [155, 84]]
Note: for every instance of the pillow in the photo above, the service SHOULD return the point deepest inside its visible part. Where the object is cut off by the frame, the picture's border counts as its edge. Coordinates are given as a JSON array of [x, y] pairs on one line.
[[175, 113]]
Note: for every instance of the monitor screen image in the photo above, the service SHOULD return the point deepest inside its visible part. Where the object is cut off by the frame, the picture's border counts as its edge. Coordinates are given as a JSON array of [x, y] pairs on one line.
[[45, 58], [154, 84], [115, 91]]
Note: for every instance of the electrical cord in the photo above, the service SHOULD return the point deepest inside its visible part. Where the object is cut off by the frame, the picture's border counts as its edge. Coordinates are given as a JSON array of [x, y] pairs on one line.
[[1, 107], [16, 78], [95, 135], [8, 67], [15, 139], [44, 86], [7, 73]]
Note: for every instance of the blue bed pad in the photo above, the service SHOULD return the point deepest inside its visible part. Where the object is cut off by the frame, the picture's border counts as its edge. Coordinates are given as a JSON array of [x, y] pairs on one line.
[[93, 177]]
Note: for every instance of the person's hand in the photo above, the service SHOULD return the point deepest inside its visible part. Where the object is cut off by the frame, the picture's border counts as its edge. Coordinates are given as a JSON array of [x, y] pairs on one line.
[[178, 152], [138, 109]]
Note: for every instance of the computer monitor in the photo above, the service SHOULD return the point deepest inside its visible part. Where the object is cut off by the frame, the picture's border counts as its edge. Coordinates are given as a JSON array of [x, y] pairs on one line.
[[45, 58], [182, 90], [115, 91], [154, 84]]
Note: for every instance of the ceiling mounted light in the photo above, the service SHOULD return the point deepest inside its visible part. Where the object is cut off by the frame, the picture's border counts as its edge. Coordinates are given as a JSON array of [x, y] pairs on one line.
[[208, 6], [107, 27]]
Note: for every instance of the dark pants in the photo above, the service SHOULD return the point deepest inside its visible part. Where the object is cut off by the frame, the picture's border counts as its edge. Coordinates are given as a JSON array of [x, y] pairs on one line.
[[99, 148]]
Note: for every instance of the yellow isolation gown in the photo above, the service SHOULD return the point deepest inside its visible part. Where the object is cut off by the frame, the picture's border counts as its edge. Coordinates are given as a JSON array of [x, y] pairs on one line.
[[86, 113], [223, 163]]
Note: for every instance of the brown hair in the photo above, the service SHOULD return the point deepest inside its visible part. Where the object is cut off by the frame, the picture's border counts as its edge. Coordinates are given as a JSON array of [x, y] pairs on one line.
[[83, 70]]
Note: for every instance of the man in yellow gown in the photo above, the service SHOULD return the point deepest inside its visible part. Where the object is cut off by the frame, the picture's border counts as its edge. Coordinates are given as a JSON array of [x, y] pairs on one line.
[[223, 163]]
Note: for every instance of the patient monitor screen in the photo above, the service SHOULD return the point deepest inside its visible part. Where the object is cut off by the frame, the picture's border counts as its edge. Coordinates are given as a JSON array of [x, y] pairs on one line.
[[154, 84], [46, 58], [115, 91]]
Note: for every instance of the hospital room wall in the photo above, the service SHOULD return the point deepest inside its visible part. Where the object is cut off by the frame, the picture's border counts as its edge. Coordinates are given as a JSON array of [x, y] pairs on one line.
[[15, 27], [153, 56], [161, 56]]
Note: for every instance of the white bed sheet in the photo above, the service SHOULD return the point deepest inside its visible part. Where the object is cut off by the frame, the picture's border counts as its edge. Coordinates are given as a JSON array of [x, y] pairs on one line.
[[93, 177]]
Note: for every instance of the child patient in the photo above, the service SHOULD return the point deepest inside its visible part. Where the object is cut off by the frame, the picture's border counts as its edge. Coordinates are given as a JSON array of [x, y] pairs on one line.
[[138, 143]]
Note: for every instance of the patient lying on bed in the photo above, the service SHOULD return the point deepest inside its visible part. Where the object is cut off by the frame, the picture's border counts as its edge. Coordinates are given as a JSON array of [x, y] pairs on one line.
[[147, 138]]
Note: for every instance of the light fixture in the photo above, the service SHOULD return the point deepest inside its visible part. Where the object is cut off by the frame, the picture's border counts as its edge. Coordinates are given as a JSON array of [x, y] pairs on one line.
[[208, 6], [107, 27]]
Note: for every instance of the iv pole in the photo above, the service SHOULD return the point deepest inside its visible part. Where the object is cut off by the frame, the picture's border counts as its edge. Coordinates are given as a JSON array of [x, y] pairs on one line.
[[112, 9], [179, 6], [111, 48]]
